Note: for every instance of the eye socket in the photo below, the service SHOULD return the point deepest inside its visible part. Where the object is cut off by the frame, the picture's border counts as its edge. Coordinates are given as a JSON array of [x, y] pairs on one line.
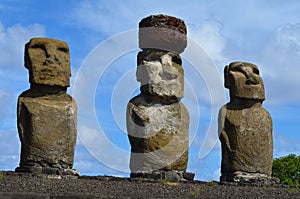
[[177, 60], [237, 68], [38, 46], [256, 71], [63, 49]]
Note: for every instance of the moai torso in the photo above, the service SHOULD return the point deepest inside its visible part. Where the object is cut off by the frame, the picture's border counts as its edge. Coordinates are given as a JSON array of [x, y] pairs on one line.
[[157, 122], [47, 115], [245, 127]]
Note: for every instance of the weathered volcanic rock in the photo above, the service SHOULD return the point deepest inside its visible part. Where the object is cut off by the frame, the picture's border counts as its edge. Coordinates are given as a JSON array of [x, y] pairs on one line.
[[48, 62], [158, 135], [163, 32], [157, 122], [245, 127], [246, 140], [160, 74], [47, 115], [243, 81], [47, 128]]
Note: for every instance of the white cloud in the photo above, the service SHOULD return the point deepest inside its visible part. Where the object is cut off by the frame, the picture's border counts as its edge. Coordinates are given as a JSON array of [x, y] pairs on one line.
[[206, 169], [86, 164], [210, 38], [108, 17], [285, 144], [9, 162], [12, 41], [9, 150], [111, 16], [6, 100], [288, 37], [210, 142], [205, 60], [216, 175], [281, 58], [103, 150]]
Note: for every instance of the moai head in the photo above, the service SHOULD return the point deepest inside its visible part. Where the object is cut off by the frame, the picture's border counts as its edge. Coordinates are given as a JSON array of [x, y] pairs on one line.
[[159, 70], [160, 74], [243, 81], [162, 32], [48, 62]]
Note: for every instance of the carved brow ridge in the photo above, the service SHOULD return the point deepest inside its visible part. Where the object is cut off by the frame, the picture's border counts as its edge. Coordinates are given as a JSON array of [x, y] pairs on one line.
[[239, 67], [43, 47]]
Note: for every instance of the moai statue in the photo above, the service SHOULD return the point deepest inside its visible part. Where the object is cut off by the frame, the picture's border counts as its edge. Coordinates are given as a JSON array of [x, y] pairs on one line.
[[157, 122], [245, 127], [47, 115]]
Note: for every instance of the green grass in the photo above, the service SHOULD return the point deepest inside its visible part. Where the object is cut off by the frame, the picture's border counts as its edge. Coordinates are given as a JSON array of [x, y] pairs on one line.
[[2, 176], [194, 194], [165, 182], [212, 183]]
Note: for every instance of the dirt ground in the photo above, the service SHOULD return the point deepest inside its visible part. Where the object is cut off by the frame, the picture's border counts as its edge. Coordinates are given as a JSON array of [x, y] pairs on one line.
[[20, 185]]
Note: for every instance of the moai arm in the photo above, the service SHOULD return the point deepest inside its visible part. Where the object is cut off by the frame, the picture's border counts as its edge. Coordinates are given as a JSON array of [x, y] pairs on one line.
[[23, 121], [133, 122], [22, 125], [221, 122]]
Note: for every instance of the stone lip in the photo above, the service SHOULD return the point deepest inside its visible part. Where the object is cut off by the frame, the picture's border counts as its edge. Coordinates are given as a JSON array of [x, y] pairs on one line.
[[163, 32], [249, 178], [47, 170], [172, 176]]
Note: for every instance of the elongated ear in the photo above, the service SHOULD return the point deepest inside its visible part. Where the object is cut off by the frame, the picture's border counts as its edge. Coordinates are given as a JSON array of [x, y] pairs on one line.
[[27, 62], [226, 69], [226, 76]]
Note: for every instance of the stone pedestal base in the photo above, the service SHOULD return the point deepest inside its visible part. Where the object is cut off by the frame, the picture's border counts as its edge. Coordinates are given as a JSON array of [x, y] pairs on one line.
[[173, 176], [47, 170], [249, 178]]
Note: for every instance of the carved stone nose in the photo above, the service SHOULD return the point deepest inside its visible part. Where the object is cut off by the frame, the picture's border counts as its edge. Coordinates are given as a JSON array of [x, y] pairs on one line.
[[51, 57], [165, 75], [251, 77], [252, 80]]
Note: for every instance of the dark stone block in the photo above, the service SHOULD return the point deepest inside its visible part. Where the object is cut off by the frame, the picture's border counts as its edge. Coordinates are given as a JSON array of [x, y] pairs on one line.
[[163, 32]]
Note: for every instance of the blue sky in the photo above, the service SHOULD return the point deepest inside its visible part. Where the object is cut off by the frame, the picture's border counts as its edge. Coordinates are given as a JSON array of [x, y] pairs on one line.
[[102, 36]]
